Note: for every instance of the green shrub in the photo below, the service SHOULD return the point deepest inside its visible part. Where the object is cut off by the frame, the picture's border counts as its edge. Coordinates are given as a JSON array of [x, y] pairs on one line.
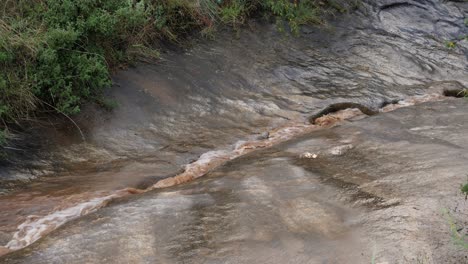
[[59, 51]]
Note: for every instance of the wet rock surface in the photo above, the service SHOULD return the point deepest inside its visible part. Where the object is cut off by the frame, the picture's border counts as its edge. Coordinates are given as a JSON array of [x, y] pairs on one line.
[[382, 198], [237, 87]]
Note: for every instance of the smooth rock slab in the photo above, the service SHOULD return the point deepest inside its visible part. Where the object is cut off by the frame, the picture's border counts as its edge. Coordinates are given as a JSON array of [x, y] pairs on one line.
[[384, 199]]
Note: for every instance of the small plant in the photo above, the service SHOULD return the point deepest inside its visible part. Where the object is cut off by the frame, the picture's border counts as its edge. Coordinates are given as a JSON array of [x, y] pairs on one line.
[[295, 13], [462, 93], [233, 13], [450, 44], [457, 238], [464, 188], [466, 22]]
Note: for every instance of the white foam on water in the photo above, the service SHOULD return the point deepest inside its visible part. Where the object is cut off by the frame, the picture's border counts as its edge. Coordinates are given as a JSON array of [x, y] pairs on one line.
[[35, 228]]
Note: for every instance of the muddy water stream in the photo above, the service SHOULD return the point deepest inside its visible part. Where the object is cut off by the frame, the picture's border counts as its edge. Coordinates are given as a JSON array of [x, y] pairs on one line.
[[214, 106]]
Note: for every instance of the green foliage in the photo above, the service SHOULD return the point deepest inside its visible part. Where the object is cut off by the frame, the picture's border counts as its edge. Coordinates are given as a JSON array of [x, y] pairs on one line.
[[234, 12], [464, 187], [60, 51], [450, 44], [464, 190], [457, 238], [464, 93], [295, 13]]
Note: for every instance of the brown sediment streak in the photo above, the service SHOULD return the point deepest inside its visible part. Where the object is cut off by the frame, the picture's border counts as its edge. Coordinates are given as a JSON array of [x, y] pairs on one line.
[[414, 100], [213, 159], [195, 170], [36, 227], [331, 119]]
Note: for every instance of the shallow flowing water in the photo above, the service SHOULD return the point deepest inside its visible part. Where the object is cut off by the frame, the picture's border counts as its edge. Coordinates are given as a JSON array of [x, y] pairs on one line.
[[198, 109]]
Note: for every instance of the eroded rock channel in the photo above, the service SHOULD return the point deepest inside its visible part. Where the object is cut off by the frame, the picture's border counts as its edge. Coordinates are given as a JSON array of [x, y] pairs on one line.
[[276, 188]]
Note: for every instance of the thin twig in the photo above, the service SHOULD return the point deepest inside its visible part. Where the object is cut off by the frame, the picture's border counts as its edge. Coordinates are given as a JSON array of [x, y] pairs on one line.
[[13, 148], [69, 118]]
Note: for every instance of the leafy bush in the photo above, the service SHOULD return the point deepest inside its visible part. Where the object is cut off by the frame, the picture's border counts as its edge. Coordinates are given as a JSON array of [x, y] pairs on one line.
[[58, 52]]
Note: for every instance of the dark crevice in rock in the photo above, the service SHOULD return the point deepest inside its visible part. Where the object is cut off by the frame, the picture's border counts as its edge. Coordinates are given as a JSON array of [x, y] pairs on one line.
[[400, 4], [333, 108], [446, 88], [457, 93]]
